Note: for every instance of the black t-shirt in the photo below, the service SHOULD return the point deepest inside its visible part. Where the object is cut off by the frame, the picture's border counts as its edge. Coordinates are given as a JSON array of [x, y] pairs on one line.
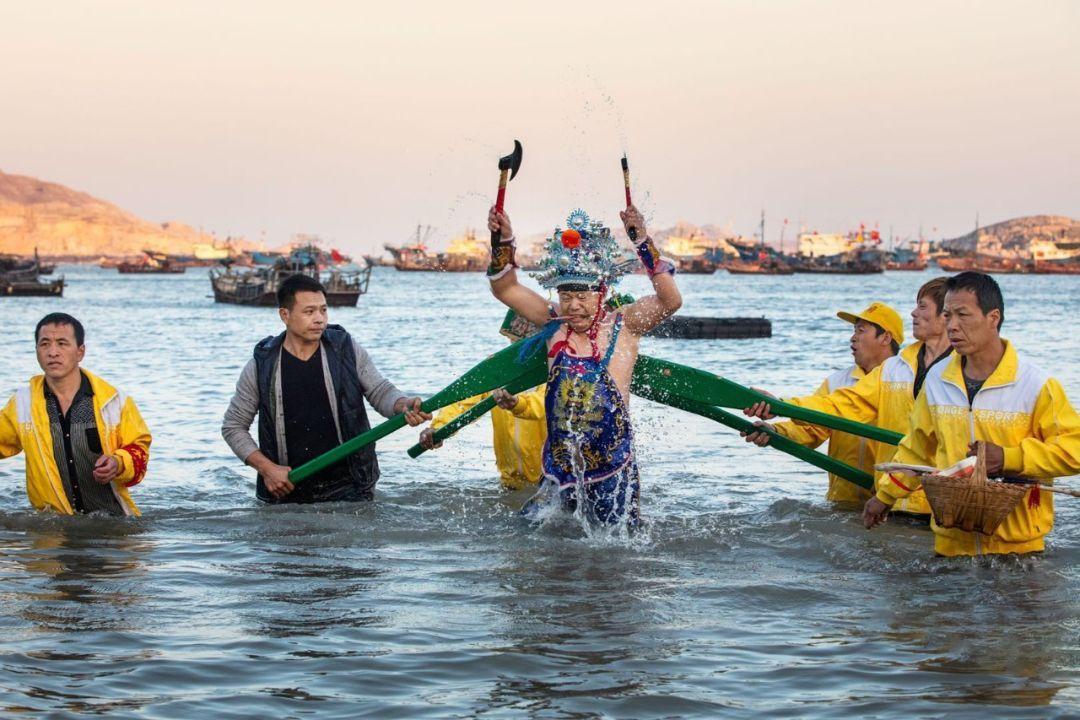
[[972, 386], [921, 368], [309, 423]]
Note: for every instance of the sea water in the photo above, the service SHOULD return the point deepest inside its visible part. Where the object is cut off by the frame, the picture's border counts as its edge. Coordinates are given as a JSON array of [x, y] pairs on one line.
[[746, 595]]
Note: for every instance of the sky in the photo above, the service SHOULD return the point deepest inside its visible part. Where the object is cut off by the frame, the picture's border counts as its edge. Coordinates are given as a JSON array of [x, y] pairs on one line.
[[357, 121]]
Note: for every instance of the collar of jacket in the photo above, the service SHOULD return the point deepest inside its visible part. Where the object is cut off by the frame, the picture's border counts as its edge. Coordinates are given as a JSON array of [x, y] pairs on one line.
[[103, 391], [910, 354], [1004, 373]]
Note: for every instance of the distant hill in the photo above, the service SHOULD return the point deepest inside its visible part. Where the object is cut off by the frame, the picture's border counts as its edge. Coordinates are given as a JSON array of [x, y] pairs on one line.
[[1015, 234], [60, 221]]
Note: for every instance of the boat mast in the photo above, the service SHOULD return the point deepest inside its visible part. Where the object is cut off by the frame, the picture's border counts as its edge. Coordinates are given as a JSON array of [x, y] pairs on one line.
[[762, 229]]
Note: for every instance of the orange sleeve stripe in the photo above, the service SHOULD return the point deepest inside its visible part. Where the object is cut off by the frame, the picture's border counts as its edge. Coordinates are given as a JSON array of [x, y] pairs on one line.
[[897, 482]]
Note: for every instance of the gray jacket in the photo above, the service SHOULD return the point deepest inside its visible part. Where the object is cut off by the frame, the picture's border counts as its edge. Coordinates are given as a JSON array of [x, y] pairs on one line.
[[244, 406]]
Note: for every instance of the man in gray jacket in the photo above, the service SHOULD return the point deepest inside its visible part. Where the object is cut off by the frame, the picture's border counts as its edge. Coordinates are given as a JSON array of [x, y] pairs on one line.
[[308, 385]]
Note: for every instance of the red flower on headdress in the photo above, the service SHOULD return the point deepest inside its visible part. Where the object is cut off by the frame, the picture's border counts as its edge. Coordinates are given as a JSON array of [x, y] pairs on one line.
[[571, 239]]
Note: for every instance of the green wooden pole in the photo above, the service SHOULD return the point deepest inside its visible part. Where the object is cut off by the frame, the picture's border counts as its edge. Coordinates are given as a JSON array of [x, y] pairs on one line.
[[673, 379], [700, 386], [781, 443], [483, 377], [537, 375]]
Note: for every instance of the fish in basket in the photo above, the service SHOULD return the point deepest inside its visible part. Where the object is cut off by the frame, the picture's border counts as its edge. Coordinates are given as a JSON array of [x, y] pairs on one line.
[[963, 497]]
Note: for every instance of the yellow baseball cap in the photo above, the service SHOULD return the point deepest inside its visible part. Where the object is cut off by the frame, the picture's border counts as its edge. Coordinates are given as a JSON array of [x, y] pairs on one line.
[[881, 315]]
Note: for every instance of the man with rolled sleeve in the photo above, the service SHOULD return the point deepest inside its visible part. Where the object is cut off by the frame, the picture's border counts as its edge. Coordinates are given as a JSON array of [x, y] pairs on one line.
[[307, 386]]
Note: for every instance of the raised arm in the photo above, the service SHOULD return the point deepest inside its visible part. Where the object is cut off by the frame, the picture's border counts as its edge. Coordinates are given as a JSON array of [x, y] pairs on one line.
[[648, 312], [503, 274]]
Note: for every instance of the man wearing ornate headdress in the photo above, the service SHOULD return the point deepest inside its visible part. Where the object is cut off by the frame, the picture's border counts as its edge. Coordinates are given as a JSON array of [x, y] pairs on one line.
[[589, 452]]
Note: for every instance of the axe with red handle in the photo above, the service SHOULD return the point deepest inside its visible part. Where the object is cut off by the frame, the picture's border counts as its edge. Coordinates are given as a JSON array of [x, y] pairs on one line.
[[626, 184], [508, 168]]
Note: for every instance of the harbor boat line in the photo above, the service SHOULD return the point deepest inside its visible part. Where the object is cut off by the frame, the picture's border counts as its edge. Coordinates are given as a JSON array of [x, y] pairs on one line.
[[152, 263], [464, 253], [258, 285]]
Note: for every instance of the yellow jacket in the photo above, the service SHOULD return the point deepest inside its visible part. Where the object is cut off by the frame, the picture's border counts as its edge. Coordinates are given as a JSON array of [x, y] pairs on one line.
[[883, 397], [851, 449], [1021, 409], [519, 436], [24, 427]]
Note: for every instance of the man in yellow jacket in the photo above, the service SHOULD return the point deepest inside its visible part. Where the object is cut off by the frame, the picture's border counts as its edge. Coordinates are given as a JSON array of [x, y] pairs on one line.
[[989, 394], [519, 431], [876, 339], [84, 440], [885, 396]]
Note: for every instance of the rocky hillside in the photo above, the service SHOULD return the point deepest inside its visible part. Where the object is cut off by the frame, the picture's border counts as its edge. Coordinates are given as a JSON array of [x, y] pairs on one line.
[[1015, 234], [60, 221]]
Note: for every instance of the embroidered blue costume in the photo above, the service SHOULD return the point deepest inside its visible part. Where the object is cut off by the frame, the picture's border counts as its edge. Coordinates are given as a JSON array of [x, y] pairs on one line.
[[589, 454], [590, 443]]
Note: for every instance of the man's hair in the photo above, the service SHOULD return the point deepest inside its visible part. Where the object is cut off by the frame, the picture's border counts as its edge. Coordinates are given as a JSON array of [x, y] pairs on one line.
[[935, 290], [61, 319], [986, 290], [878, 330], [286, 292]]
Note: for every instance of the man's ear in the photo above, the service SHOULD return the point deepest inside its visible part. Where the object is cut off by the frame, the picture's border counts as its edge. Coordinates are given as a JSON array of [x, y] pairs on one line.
[[995, 315], [283, 313]]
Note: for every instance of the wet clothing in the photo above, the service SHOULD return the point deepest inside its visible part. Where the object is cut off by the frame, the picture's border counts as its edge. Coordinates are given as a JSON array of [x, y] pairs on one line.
[[518, 436], [858, 452], [102, 420], [76, 447], [614, 499], [310, 430], [348, 376], [884, 398], [590, 443], [1021, 409]]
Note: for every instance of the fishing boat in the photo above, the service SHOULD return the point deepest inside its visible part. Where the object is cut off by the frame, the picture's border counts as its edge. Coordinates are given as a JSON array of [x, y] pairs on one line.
[[690, 254], [414, 256], [152, 263], [258, 285], [763, 266], [465, 253], [31, 288], [18, 269], [759, 260], [862, 261], [20, 277], [1054, 258], [956, 263], [911, 259]]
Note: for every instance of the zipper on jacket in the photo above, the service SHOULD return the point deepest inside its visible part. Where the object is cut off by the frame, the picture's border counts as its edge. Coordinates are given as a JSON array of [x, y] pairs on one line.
[[971, 431]]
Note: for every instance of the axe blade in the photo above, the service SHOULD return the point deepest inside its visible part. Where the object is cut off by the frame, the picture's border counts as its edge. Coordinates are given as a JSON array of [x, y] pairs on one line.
[[512, 162]]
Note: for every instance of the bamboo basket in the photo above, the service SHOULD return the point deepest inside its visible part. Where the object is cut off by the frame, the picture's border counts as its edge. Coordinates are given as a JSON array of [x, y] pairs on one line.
[[972, 503]]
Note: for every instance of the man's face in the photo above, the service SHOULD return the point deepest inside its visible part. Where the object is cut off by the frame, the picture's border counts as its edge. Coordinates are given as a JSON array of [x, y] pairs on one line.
[[580, 307], [926, 320], [867, 346], [57, 352], [969, 329], [307, 317]]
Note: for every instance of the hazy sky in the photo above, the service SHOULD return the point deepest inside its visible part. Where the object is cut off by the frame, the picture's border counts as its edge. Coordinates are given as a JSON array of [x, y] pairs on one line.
[[358, 120]]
